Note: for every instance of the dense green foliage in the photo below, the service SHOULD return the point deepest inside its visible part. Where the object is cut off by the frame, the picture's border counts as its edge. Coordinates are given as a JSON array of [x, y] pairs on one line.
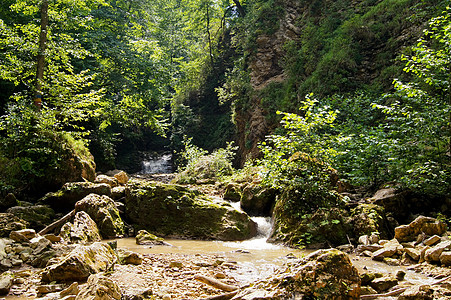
[[120, 75]]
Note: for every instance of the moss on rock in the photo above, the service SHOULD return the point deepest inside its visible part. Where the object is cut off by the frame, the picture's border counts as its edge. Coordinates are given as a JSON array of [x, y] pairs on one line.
[[176, 211]]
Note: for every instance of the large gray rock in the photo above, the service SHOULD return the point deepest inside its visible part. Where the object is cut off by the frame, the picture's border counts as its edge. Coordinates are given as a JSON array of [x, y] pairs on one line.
[[65, 199], [82, 230], [422, 224], [80, 263], [174, 210], [105, 214]]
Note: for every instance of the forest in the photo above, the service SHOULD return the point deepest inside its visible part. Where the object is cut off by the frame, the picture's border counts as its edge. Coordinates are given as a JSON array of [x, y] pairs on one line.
[[300, 87], [291, 126]]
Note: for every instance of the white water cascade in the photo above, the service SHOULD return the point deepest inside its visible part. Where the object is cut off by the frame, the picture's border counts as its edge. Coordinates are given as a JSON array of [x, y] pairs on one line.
[[158, 165]]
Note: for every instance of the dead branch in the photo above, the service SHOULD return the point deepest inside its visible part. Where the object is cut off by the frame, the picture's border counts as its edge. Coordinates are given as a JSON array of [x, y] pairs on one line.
[[216, 283], [57, 223]]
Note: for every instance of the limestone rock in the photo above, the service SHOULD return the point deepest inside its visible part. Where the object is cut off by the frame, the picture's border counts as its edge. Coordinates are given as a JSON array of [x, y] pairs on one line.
[[385, 252], [413, 253], [418, 292], [129, 257], [38, 216], [422, 224], [10, 222], [121, 177], [383, 284], [99, 287], [80, 263], [105, 214], [73, 289], [40, 244], [174, 210], [445, 258], [6, 282], [65, 199], [433, 254], [27, 233], [432, 240], [82, 230], [111, 181], [118, 193]]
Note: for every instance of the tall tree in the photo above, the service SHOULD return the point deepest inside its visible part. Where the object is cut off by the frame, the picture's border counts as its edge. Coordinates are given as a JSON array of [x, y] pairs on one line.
[[41, 54]]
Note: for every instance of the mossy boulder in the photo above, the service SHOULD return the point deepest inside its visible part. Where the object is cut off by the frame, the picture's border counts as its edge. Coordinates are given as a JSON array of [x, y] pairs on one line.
[[310, 220], [257, 199], [176, 211], [233, 192], [37, 216], [370, 218], [80, 263], [8, 201], [105, 214], [65, 199], [100, 287], [145, 238]]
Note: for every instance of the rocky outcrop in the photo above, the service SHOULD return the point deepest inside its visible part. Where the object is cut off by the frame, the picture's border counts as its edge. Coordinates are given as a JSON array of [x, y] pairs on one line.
[[173, 210], [80, 263], [324, 274], [65, 199], [103, 210], [100, 287], [296, 224], [83, 230], [37, 216]]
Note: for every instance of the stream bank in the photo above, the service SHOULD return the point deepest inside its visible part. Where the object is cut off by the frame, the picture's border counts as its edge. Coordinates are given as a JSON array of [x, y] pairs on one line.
[[39, 262]]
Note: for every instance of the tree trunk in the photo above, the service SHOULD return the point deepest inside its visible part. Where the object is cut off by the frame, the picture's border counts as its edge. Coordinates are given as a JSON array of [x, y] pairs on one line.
[[240, 8], [41, 53]]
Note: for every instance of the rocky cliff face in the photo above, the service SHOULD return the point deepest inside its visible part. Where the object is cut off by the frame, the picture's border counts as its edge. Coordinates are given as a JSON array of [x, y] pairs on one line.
[[325, 47]]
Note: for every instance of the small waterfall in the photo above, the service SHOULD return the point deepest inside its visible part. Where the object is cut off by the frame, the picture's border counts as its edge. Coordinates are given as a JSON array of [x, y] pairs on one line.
[[264, 226], [158, 165]]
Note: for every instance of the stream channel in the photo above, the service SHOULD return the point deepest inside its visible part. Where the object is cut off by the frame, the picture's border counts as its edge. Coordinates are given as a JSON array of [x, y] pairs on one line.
[[256, 259]]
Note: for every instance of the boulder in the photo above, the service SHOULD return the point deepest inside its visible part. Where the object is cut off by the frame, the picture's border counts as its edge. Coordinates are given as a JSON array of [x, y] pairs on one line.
[[383, 284], [6, 282], [65, 199], [369, 218], [413, 253], [433, 254], [10, 200], [111, 181], [432, 240], [422, 224], [299, 221], [80, 263], [82, 230], [118, 193], [100, 287], [324, 274], [37, 216], [257, 199], [130, 258], [40, 244], [174, 210], [10, 222], [105, 214], [121, 177]]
